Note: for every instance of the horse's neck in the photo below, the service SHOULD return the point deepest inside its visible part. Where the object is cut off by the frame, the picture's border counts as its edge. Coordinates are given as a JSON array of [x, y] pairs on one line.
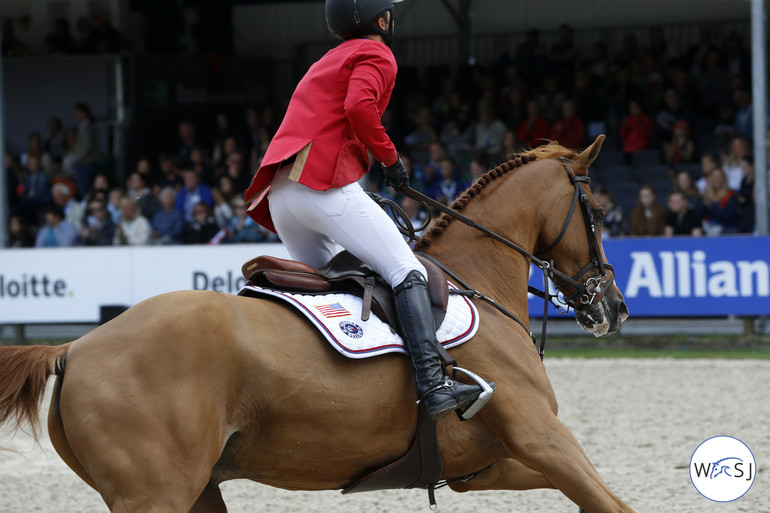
[[485, 264]]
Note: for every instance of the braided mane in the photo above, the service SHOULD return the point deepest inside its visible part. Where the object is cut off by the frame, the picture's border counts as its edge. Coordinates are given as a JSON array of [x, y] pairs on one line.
[[551, 150]]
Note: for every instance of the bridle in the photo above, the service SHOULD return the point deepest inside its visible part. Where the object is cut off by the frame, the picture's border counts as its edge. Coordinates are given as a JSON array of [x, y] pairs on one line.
[[587, 292]]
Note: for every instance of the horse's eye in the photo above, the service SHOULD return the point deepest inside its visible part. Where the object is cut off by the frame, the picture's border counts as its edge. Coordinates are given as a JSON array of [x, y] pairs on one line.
[[599, 216]]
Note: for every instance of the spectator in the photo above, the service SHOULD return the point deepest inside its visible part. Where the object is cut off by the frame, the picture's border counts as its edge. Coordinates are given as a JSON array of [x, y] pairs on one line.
[[136, 188], [35, 147], [445, 188], [532, 130], [672, 110], [19, 234], [681, 218], [720, 206], [615, 223], [168, 222], [62, 197], [103, 37], [222, 131], [144, 168], [201, 165], [636, 130], [569, 129], [133, 229], [57, 232], [115, 204], [69, 139], [680, 148], [170, 172], [684, 183], [418, 141], [36, 192], [744, 113], [564, 55], [551, 99], [98, 227], [712, 83], [242, 228], [236, 170], [250, 138], [188, 140], [202, 228], [459, 132], [508, 148], [746, 210], [648, 216], [739, 148], [54, 139], [191, 194], [85, 155], [222, 210]]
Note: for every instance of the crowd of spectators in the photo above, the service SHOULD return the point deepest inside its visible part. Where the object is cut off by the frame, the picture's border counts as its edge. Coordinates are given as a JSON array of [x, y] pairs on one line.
[[679, 133]]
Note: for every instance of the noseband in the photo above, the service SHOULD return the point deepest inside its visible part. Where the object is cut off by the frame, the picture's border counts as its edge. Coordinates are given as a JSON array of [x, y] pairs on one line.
[[587, 292]]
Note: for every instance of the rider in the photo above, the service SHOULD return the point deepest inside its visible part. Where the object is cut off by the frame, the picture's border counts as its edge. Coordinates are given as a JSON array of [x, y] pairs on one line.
[[310, 172]]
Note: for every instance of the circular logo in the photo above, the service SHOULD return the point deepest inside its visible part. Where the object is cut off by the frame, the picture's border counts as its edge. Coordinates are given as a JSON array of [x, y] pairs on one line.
[[722, 468], [351, 329]]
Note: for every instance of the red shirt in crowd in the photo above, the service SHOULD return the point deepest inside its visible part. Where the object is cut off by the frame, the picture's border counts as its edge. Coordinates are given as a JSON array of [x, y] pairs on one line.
[[570, 132], [533, 132], [636, 133]]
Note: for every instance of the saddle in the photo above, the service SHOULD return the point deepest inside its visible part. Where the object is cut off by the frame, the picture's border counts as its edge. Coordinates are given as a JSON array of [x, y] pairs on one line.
[[344, 273]]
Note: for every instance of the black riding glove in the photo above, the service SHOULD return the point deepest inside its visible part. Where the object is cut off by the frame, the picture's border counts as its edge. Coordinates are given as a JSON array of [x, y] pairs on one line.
[[395, 174]]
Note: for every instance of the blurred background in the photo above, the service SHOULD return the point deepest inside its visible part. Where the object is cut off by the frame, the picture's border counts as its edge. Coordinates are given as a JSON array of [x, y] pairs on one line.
[[113, 110]]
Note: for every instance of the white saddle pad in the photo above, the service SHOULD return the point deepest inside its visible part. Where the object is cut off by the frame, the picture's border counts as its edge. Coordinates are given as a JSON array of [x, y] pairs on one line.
[[338, 318]]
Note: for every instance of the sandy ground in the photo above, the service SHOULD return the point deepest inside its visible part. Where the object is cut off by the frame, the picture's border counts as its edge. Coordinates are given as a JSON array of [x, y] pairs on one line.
[[639, 421]]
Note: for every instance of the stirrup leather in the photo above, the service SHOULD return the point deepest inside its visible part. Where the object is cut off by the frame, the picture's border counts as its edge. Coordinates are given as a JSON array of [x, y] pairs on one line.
[[483, 399]]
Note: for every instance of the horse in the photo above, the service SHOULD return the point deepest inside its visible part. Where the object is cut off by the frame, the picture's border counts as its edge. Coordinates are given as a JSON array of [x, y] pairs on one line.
[[189, 389]]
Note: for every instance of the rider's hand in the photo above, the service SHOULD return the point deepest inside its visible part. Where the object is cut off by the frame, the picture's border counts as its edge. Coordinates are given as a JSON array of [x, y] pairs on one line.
[[395, 174]]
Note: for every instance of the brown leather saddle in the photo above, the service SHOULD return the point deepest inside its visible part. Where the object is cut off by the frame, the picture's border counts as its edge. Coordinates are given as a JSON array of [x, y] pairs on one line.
[[344, 274]]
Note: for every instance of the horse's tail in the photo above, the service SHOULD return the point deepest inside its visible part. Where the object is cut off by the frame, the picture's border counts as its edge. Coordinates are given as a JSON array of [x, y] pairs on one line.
[[24, 371]]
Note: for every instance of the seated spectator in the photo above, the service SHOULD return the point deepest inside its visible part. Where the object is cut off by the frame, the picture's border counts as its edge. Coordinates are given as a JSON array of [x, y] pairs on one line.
[[489, 132], [418, 141], [720, 206], [445, 188], [19, 234], [200, 164], [681, 219], [731, 163], [684, 183], [137, 189], [115, 204], [648, 216], [569, 129], [242, 228], [168, 222], [673, 109], [192, 193], [235, 168], [615, 223], [170, 173], [680, 147], [62, 196], [746, 210], [98, 227], [459, 133], [635, 130], [57, 232], [202, 228], [532, 130], [36, 191], [188, 140], [708, 163], [133, 229], [222, 210]]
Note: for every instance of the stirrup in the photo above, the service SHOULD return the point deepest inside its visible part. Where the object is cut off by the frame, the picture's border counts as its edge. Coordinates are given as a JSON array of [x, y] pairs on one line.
[[483, 398]]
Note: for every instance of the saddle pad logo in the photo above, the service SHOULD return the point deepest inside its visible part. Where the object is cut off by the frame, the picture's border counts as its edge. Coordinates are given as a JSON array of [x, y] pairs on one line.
[[351, 329], [332, 310]]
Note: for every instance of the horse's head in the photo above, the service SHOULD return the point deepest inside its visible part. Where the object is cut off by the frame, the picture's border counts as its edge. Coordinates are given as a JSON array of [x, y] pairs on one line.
[[571, 239]]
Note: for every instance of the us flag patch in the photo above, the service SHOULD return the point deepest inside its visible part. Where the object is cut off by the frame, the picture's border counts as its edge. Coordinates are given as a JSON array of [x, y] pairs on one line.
[[332, 310]]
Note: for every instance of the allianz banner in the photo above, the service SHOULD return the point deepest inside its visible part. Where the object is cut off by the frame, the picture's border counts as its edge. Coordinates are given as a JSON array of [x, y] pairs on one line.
[[683, 277]]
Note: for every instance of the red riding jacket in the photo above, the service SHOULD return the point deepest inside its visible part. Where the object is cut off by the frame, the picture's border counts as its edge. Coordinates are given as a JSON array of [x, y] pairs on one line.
[[333, 117]]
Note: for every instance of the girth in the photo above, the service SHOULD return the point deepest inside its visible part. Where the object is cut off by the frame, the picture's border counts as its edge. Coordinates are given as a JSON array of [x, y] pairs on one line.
[[344, 273]]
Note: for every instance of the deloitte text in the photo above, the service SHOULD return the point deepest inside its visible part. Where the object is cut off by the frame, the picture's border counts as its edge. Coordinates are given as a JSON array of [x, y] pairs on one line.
[[691, 274], [231, 282], [31, 286]]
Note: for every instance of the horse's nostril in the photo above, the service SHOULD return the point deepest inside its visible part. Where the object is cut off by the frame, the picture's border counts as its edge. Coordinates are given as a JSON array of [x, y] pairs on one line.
[[622, 311]]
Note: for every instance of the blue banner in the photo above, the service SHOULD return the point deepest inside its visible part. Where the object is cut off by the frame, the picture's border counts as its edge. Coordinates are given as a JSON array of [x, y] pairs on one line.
[[688, 276]]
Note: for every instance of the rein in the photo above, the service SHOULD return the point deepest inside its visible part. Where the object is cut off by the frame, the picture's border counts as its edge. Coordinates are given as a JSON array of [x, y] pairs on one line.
[[588, 292]]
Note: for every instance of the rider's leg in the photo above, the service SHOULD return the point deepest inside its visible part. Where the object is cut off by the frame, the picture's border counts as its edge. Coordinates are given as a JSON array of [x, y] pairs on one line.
[[349, 217]]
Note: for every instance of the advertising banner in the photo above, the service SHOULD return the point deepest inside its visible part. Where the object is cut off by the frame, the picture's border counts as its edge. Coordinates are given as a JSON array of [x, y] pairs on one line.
[[680, 277]]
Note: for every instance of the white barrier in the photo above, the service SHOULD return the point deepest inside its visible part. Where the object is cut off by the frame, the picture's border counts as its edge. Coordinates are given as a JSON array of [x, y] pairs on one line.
[[71, 285]]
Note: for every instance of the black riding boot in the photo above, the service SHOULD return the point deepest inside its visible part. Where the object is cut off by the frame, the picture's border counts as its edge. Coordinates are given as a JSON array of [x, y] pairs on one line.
[[439, 394]]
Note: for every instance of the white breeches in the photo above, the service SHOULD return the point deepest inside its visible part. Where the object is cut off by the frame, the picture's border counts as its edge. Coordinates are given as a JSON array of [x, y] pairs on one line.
[[309, 222]]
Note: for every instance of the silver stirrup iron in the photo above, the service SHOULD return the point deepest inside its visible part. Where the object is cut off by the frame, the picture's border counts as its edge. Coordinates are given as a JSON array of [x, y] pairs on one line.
[[483, 399]]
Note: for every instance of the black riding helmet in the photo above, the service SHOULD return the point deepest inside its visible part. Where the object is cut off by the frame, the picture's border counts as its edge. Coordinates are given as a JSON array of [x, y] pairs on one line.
[[354, 18]]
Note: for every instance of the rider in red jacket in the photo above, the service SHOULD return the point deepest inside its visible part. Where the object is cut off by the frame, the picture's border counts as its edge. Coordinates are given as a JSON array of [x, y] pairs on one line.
[[307, 190]]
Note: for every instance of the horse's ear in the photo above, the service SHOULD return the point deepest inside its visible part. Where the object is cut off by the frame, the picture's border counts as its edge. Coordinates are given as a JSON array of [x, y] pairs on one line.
[[587, 156]]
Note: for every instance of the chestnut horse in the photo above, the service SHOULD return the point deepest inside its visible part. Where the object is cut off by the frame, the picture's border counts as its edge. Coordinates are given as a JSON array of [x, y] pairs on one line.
[[189, 389]]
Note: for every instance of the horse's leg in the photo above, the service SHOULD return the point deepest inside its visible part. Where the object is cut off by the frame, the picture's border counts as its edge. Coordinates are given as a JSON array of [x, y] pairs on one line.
[[539, 440], [210, 501], [507, 474]]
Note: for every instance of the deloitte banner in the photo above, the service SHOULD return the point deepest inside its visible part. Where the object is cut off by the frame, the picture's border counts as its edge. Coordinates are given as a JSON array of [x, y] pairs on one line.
[[683, 277], [679, 277]]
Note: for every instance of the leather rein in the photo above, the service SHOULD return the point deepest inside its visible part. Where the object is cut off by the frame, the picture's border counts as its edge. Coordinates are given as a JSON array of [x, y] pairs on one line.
[[587, 292]]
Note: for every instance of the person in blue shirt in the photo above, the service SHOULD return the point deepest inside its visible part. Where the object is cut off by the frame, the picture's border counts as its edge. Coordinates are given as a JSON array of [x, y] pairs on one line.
[[57, 231], [192, 193], [167, 222]]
